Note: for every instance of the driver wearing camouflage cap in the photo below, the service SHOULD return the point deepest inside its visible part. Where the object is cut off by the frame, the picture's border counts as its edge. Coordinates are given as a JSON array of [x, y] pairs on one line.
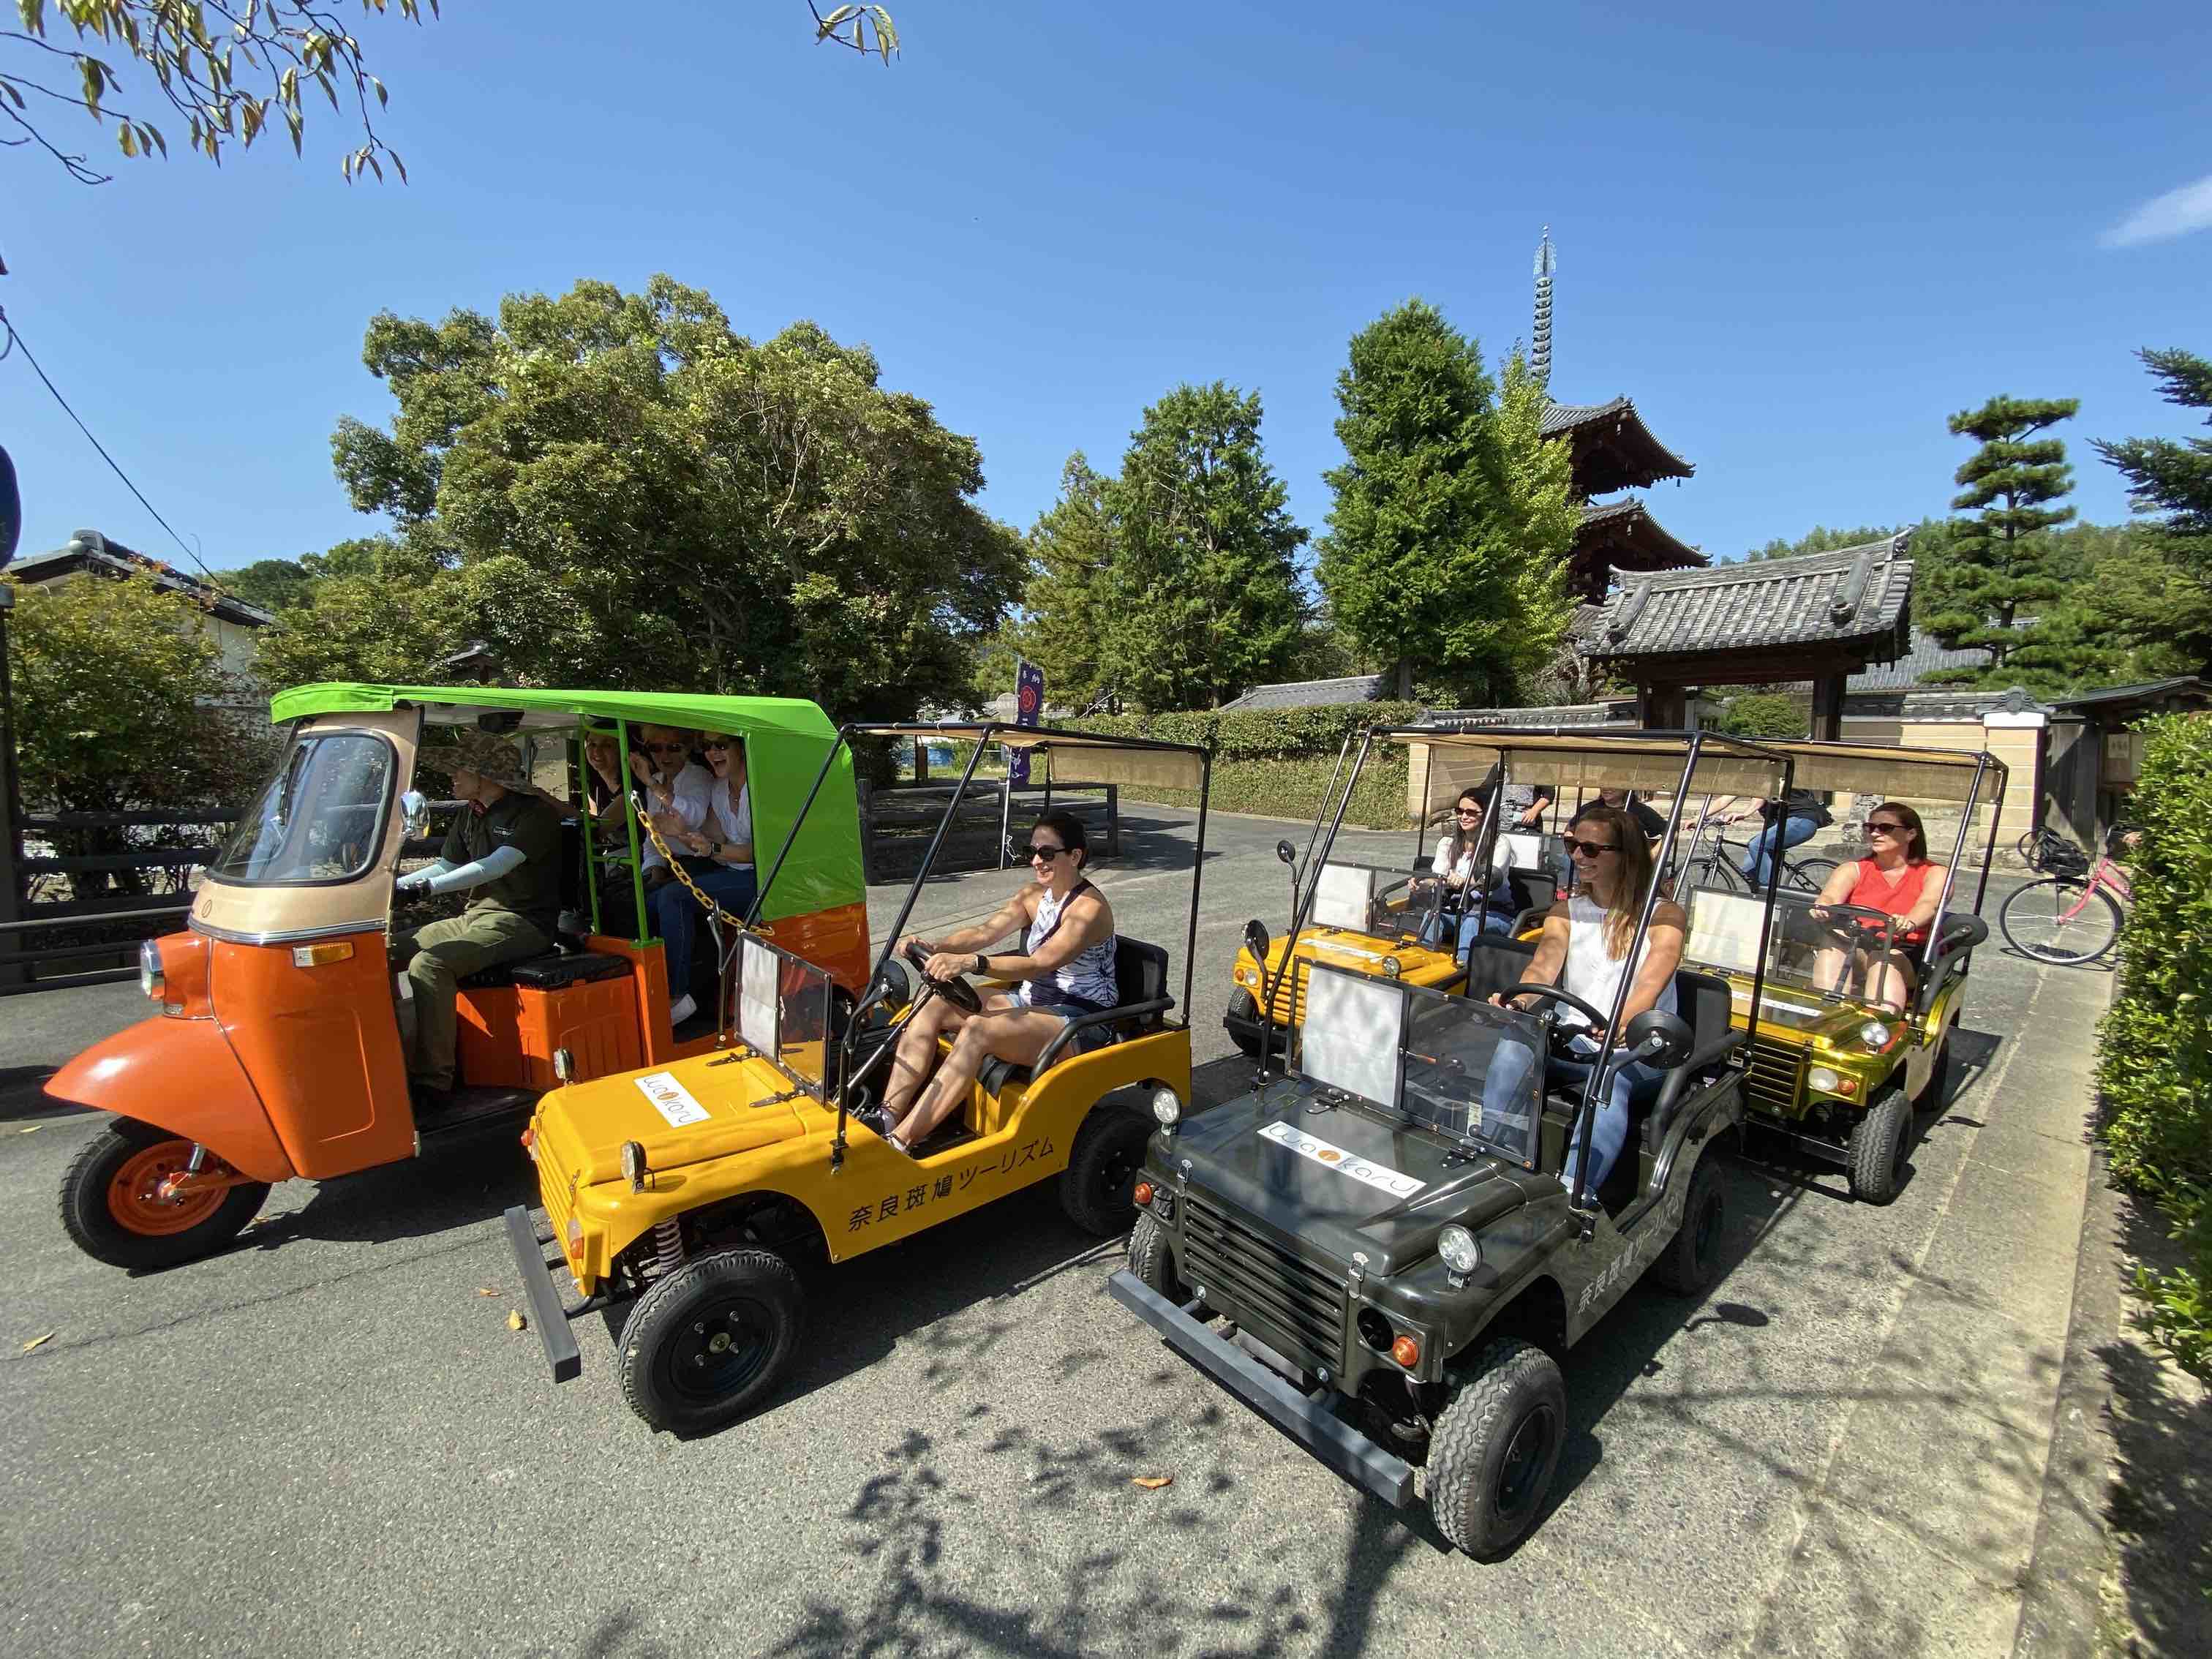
[[505, 848]]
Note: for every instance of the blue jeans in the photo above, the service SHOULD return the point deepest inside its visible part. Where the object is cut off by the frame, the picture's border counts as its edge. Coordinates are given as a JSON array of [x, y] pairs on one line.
[[1634, 1083], [677, 916], [1471, 926], [1795, 831]]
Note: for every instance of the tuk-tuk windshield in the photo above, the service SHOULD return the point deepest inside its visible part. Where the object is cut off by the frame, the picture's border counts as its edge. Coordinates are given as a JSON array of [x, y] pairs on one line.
[[320, 818], [1817, 957]]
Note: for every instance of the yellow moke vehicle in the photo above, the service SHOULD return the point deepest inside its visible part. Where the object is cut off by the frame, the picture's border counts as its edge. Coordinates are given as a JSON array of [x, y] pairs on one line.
[[1370, 920], [1831, 1072], [697, 1191]]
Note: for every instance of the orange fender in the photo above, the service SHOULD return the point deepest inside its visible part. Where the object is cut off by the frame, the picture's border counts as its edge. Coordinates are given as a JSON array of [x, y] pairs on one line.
[[181, 1076]]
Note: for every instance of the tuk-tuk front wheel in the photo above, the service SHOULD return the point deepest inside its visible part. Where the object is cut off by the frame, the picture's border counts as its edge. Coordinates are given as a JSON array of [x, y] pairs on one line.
[[1881, 1142], [706, 1345], [112, 1205], [1098, 1189]]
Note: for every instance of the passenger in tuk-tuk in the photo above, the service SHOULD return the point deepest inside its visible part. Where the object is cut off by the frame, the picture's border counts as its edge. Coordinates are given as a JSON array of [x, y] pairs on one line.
[[720, 864], [504, 847], [1584, 952], [674, 787], [1898, 879], [1066, 967], [1487, 905]]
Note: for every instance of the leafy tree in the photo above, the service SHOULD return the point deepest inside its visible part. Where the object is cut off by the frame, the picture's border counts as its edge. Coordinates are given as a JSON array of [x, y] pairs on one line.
[[1070, 548], [117, 686], [1764, 713], [616, 489], [1996, 562], [1452, 516], [1203, 597], [2167, 593], [234, 77], [272, 584], [1822, 540]]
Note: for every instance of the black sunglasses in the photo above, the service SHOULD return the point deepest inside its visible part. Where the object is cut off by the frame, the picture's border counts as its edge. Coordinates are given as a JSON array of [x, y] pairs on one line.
[[1885, 828], [1468, 812], [1589, 850], [1048, 853]]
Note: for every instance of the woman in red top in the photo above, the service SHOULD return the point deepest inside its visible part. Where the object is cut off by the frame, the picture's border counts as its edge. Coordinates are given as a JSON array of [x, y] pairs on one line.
[[1896, 879]]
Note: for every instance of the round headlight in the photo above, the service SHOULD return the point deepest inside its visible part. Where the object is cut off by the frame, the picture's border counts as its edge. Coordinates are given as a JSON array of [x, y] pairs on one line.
[[150, 969], [1167, 1109], [1823, 1078], [1874, 1034], [633, 1165], [1392, 967], [1458, 1249]]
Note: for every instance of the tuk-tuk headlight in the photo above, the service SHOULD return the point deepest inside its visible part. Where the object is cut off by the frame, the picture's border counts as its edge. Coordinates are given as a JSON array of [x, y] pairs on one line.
[[1392, 967], [149, 969], [1460, 1254], [1246, 977], [1167, 1107], [1874, 1034]]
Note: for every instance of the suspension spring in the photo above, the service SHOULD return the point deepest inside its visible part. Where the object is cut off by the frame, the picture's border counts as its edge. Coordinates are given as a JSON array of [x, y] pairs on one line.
[[668, 1247]]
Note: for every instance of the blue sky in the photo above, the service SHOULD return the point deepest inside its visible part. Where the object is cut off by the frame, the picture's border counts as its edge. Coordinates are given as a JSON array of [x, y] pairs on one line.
[[1799, 237]]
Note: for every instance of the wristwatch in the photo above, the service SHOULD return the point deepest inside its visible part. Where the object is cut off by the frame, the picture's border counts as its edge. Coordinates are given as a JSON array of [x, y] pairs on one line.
[[982, 962]]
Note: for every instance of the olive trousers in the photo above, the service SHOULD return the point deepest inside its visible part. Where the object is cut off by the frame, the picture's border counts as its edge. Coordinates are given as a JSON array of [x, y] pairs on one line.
[[443, 953]]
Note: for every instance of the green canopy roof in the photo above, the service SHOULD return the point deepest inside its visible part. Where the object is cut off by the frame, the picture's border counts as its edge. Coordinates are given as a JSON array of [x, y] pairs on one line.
[[706, 712]]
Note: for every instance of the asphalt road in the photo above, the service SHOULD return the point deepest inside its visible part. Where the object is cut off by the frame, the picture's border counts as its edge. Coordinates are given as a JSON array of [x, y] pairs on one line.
[[327, 1440]]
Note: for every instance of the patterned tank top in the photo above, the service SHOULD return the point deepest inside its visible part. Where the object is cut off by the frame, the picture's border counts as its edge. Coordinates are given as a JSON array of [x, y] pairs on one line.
[[1088, 979]]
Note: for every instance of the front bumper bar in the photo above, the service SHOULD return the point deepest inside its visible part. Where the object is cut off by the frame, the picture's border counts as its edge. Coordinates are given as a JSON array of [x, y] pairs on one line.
[[546, 1311], [1305, 1418]]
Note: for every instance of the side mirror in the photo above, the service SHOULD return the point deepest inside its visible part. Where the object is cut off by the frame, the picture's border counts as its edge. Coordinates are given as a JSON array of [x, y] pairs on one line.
[[415, 810], [1255, 941], [1659, 1039], [1286, 854]]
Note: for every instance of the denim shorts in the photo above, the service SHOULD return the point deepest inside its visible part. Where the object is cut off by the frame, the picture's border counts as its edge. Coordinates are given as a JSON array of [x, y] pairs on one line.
[[1091, 1037]]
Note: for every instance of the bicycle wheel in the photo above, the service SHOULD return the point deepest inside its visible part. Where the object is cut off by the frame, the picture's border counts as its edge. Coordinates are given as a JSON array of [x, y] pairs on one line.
[[1716, 870], [1807, 875], [2061, 919]]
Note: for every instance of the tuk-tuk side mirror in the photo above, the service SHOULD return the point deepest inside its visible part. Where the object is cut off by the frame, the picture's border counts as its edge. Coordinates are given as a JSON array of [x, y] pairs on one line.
[[1255, 941], [1286, 853], [1659, 1039], [415, 809]]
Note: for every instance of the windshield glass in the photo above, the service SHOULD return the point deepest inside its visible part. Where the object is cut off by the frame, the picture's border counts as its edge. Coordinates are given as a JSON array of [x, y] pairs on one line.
[[1468, 1071], [320, 818], [783, 1011], [1817, 957]]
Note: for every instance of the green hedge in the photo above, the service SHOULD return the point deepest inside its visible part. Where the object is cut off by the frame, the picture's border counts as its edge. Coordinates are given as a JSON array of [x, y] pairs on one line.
[[1292, 789], [2155, 1049], [1259, 733]]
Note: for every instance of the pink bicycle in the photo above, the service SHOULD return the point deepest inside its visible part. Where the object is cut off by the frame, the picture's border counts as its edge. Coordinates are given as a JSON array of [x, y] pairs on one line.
[[2073, 914]]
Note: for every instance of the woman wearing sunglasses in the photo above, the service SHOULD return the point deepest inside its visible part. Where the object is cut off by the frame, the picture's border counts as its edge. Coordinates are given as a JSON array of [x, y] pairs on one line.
[[1897, 877], [1584, 952], [1455, 865], [1065, 966], [720, 863]]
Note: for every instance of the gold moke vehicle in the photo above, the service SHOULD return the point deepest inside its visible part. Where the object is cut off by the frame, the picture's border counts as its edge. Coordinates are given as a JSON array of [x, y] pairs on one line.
[[1375, 919], [1380, 1253], [1834, 1072], [694, 1192]]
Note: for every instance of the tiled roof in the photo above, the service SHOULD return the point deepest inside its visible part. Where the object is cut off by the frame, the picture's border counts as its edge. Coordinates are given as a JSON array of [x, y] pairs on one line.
[[1650, 535], [1618, 418], [1309, 694], [91, 552], [1853, 596], [1925, 654]]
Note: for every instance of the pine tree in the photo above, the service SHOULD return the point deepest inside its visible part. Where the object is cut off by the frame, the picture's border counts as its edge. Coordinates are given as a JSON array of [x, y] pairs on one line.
[[1070, 548], [2168, 601], [1995, 564]]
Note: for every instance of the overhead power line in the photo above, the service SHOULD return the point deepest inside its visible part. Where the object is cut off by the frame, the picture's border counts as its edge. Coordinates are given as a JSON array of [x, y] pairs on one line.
[[16, 343]]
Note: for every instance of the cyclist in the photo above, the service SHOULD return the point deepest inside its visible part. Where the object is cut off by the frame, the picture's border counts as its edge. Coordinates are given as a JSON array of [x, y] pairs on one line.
[[1803, 814]]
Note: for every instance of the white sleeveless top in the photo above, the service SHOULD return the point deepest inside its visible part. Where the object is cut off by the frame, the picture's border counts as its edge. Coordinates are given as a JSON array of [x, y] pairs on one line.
[[1591, 972], [1087, 980]]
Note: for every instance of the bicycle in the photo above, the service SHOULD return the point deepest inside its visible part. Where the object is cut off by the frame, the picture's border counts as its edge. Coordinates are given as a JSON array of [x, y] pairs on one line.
[[1721, 867], [2072, 915]]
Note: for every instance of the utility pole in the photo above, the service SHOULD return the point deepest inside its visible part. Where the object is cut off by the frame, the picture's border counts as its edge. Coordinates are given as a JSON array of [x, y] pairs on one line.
[[12, 805]]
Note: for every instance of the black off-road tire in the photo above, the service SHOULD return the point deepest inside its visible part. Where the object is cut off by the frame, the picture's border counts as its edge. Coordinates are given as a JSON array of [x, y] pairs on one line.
[[1692, 1260], [104, 1232], [1242, 1007], [1098, 1189], [1152, 1262], [1496, 1447], [707, 1344], [1880, 1142]]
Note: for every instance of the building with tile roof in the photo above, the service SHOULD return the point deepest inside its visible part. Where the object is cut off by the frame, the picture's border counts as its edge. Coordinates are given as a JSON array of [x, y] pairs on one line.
[[1311, 694]]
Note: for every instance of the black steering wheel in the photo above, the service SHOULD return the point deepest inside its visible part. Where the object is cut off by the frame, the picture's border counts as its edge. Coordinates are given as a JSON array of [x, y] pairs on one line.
[[957, 992], [1559, 1035]]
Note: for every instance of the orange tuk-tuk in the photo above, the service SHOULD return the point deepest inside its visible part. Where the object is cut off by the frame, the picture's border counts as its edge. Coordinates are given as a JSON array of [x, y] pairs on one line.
[[279, 1049]]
